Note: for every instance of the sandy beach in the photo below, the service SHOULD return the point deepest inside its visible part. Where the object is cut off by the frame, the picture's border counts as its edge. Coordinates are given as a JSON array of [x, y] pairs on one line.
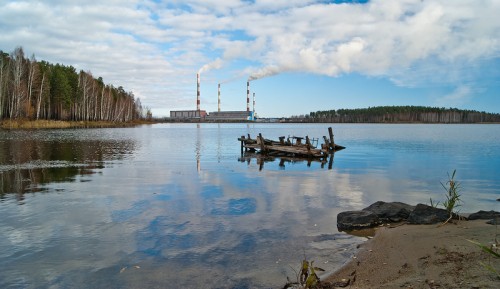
[[424, 256]]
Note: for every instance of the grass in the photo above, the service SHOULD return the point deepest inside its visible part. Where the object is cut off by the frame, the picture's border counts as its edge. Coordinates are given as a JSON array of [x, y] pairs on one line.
[[50, 124], [307, 278], [453, 200], [493, 253]]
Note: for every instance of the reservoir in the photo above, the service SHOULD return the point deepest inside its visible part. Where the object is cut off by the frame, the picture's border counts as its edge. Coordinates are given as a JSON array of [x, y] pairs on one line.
[[177, 206]]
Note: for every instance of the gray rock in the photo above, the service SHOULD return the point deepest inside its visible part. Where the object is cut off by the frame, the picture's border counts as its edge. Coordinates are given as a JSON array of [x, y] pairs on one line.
[[390, 212], [484, 215], [355, 220], [424, 215], [495, 221]]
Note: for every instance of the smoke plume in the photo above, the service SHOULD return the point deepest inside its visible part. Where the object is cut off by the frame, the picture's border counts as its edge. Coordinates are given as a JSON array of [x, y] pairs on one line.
[[216, 64], [265, 72]]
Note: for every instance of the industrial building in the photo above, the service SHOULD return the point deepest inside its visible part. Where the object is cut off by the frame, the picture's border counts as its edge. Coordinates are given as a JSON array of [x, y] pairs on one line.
[[230, 116], [187, 114], [217, 115]]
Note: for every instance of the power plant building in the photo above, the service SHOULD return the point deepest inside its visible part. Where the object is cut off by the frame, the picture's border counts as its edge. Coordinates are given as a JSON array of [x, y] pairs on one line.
[[218, 115], [187, 114], [230, 115]]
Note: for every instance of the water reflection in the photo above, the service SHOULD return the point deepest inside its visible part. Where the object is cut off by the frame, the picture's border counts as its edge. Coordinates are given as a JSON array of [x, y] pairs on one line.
[[26, 163], [198, 147], [152, 218], [283, 161]]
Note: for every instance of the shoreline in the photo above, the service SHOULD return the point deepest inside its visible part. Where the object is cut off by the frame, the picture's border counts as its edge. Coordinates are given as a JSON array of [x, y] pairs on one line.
[[62, 124], [423, 256]]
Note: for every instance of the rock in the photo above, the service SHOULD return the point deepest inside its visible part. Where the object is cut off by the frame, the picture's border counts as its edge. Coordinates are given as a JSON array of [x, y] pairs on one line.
[[484, 215], [495, 221], [373, 215], [390, 212], [424, 215], [355, 220]]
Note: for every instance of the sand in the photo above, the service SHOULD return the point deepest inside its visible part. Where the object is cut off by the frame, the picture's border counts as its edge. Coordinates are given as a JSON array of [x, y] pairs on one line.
[[424, 256]]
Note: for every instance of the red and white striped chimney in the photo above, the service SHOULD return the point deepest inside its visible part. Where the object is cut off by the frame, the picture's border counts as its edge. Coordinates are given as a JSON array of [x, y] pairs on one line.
[[248, 96], [198, 92], [218, 102]]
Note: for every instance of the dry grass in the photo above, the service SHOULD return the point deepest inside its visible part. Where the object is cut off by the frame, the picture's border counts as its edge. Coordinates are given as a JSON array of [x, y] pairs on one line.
[[50, 124]]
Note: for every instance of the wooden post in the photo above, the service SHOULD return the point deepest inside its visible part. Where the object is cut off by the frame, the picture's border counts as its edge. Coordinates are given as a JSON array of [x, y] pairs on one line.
[[327, 144], [282, 140], [308, 146], [262, 144], [332, 142]]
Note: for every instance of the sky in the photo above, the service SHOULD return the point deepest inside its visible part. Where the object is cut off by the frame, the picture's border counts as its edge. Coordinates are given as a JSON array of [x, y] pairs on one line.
[[299, 55]]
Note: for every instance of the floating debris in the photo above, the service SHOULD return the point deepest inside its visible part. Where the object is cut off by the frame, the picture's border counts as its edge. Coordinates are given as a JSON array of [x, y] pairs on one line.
[[293, 146]]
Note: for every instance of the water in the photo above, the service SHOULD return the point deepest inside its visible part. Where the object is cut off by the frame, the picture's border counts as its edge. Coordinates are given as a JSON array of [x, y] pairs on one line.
[[175, 205]]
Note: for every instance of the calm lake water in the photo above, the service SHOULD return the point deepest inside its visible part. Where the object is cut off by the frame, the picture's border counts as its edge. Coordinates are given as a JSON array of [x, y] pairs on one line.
[[176, 205]]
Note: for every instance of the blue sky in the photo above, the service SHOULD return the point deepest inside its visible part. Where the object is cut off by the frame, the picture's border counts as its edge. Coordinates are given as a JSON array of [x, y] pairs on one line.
[[302, 55]]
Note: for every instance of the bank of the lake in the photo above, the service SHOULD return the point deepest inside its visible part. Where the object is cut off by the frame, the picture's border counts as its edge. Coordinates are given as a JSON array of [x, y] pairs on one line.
[[424, 256], [54, 124]]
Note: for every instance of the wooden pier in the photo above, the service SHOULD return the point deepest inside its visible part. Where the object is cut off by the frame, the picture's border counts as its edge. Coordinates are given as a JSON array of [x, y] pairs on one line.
[[292, 146]]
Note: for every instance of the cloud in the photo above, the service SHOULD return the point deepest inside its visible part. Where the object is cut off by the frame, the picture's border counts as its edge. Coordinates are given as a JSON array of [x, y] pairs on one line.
[[378, 37], [140, 44], [457, 98]]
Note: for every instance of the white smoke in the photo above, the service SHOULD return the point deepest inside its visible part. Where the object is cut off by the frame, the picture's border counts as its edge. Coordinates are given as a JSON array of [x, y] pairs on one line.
[[265, 72], [216, 64]]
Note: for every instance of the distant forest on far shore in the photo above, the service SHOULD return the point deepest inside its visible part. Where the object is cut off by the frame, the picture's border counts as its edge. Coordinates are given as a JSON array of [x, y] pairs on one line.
[[400, 114], [38, 90]]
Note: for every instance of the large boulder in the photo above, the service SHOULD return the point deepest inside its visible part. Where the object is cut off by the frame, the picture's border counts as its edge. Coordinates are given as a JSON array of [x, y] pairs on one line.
[[484, 215], [356, 220], [425, 215], [373, 215], [390, 212]]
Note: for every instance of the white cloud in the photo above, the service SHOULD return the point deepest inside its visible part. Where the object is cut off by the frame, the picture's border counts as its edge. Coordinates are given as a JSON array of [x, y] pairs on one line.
[[139, 44], [457, 98]]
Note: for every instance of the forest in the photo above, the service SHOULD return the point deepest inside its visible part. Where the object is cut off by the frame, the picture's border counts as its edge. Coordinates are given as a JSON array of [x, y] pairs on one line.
[[402, 114], [38, 90]]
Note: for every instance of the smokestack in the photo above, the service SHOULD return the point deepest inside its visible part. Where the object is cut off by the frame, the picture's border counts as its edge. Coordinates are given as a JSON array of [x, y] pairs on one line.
[[248, 95], [254, 103], [198, 92], [218, 93]]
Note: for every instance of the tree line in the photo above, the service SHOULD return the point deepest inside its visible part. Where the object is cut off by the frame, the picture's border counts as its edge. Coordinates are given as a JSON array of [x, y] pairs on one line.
[[406, 114], [31, 89]]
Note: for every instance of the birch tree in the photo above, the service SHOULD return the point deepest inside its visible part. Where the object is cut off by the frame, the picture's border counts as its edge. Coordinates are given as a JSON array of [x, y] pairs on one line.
[[29, 88]]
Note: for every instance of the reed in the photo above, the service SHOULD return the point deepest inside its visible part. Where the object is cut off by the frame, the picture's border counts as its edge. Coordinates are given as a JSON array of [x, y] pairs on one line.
[[453, 200], [493, 252]]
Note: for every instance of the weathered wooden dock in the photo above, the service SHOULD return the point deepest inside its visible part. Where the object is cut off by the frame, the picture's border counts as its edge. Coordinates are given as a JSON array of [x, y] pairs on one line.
[[292, 146]]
